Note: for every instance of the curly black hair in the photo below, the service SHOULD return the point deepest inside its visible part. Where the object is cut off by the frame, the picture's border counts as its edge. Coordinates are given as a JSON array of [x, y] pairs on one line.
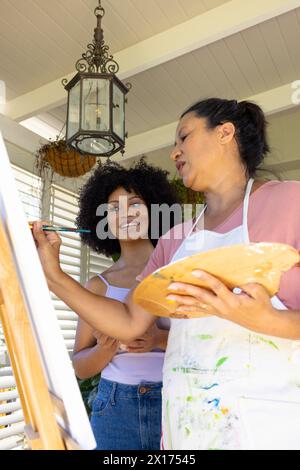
[[148, 182]]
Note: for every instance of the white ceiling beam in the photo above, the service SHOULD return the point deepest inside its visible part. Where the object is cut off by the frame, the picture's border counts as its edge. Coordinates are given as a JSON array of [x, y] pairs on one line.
[[272, 101], [204, 29], [291, 165], [149, 141], [20, 136]]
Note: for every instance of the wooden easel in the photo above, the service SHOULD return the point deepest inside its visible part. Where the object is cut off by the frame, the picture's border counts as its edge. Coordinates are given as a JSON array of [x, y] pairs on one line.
[[40, 407]]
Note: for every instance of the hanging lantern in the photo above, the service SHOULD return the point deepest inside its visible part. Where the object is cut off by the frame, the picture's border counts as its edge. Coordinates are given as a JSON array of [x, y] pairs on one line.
[[96, 100]]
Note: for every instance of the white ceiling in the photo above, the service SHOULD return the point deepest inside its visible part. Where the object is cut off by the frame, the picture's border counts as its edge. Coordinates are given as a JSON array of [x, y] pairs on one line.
[[41, 39], [242, 65], [234, 49]]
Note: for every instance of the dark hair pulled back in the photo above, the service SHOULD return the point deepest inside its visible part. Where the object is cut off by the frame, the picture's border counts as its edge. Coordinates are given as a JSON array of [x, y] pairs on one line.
[[250, 125]]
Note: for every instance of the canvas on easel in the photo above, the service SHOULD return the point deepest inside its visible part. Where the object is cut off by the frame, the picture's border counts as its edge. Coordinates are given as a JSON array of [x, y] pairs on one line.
[[53, 409]]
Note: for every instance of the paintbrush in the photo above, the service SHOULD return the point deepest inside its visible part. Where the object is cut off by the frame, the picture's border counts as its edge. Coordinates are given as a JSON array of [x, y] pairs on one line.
[[52, 228]]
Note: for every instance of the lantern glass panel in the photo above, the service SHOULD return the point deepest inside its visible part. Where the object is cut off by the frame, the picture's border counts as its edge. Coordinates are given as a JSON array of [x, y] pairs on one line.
[[95, 145], [95, 104], [118, 111], [73, 110]]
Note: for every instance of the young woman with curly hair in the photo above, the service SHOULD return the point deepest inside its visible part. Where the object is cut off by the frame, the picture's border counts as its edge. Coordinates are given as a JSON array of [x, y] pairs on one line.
[[127, 410]]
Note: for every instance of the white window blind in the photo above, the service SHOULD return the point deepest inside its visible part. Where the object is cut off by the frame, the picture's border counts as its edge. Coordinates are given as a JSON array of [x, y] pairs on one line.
[[30, 191], [11, 416], [63, 211], [96, 263]]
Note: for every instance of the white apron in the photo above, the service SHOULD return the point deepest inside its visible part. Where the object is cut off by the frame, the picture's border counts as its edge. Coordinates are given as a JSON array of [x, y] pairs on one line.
[[226, 387]]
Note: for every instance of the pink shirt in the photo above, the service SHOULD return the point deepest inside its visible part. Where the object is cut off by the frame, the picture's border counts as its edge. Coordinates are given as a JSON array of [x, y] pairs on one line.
[[273, 216]]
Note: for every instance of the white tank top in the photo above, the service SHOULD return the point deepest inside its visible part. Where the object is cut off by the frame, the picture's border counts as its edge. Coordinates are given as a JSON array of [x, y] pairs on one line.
[[133, 368]]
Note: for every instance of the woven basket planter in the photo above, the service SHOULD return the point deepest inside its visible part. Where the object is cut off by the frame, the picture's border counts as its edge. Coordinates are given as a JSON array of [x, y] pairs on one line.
[[64, 161], [69, 163]]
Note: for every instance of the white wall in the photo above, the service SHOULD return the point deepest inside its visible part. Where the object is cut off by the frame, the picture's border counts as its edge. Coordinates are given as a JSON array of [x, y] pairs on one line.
[[284, 136], [284, 139]]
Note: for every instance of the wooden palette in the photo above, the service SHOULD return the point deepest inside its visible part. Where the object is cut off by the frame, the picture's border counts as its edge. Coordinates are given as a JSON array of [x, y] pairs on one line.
[[262, 263]]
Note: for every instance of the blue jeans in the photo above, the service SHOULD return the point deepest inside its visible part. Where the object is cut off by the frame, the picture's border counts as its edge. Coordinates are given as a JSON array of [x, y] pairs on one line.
[[127, 417]]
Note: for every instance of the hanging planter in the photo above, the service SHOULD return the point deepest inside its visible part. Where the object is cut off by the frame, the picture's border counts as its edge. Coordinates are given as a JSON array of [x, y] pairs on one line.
[[61, 159], [187, 195]]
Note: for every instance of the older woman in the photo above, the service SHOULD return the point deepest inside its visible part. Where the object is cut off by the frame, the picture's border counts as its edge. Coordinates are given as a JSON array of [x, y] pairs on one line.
[[231, 381]]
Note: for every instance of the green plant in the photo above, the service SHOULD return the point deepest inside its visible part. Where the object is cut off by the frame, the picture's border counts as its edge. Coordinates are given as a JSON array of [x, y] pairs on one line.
[[56, 156], [187, 195], [88, 389], [41, 160]]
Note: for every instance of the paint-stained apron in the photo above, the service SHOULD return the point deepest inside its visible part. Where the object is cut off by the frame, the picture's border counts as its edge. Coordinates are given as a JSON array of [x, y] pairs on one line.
[[227, 387]]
